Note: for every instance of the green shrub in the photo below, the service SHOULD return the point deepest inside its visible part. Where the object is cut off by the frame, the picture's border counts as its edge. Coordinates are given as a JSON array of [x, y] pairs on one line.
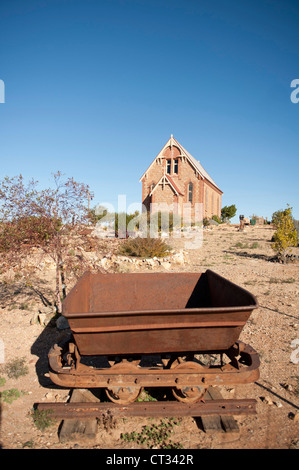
[[8, 396], [16, 368], [155, 436], [216, 218], [42, 419], [144, 247], [228, 212], [285, 235]]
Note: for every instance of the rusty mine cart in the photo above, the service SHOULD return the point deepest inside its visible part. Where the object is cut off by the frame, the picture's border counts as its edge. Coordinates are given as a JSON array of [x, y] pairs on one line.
[[178, 331]]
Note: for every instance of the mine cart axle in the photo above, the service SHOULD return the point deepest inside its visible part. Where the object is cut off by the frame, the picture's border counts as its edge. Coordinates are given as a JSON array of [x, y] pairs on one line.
[[125, 380]]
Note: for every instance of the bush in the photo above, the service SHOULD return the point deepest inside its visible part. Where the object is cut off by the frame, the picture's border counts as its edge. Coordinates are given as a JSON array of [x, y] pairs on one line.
[[228, 212], [286, 234], [42, 419], [144, 247], [16, 368], [155, 436], [8, 396], [216, 218]]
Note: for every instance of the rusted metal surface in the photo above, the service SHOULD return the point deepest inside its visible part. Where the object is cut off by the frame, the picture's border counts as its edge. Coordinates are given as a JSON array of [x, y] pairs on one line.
[[120, 319], [121, 314], [243, 367], [153, 409]]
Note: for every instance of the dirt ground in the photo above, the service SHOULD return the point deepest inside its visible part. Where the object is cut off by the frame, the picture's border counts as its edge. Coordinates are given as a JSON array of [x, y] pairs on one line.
[[242, 257]]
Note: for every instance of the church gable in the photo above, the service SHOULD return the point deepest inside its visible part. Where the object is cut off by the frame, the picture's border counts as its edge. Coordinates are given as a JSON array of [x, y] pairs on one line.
[[175, 175], [164, 181]]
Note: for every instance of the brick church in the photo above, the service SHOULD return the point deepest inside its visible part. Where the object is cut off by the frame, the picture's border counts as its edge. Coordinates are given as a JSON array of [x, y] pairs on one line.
[[175, 177]]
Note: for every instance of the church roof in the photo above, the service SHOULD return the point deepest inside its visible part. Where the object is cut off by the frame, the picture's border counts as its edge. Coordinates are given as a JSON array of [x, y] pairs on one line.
[[195, 163]]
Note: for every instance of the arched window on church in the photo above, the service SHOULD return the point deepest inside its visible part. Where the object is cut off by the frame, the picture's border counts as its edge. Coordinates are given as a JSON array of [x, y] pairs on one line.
[[206, 200], [190, 192]]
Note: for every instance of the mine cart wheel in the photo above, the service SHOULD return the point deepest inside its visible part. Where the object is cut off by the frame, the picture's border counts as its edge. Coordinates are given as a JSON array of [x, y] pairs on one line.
[[134, 361], [187, 394], [122, 394]]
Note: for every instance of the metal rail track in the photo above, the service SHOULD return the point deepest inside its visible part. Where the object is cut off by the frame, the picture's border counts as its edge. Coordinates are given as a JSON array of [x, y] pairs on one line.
[[152, 409]]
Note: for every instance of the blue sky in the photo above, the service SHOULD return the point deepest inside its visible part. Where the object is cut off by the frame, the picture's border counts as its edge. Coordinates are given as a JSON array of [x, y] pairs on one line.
[[95, 89]]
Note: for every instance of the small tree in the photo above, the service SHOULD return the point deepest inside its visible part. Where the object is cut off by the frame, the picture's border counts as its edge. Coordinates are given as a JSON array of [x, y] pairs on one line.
[[286, 234], [32, 217], [228, 212]]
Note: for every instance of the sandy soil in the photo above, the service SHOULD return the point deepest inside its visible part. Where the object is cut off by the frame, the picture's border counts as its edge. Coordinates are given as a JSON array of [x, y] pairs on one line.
[[242, 257]]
